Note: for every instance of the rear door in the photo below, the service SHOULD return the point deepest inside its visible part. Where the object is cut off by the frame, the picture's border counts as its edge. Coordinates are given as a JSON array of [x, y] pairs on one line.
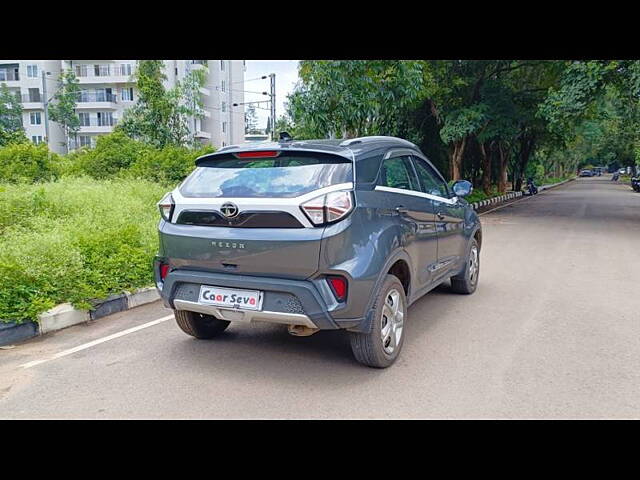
[[243, 215]]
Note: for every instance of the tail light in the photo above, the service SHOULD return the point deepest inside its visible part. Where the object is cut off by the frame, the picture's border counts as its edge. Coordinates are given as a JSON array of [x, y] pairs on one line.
[[328, 208], [166, 207], [338, 285], [164, 269]]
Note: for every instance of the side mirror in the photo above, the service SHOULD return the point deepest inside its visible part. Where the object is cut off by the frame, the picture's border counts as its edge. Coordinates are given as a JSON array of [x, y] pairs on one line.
[[462, 188]]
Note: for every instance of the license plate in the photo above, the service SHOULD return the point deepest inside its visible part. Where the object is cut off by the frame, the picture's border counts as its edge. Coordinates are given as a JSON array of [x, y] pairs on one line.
[[230, 298]]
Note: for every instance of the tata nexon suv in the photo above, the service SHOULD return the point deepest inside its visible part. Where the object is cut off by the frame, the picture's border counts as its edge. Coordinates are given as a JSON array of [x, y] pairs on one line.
[[316, 235]]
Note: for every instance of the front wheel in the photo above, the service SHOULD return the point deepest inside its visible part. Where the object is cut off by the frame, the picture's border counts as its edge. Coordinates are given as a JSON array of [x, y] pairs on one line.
[[467, 280], [381, 346]]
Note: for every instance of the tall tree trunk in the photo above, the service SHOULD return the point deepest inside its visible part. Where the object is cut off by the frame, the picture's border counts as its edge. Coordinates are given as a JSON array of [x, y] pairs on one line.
[[502, 175], [485, 150], [527, 143], [456, 159]]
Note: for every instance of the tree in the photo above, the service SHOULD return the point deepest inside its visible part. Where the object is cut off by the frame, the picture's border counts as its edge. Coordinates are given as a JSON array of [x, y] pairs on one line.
[[63, 107], [349, 98], [11, 129], [250, 120], [161, 117]]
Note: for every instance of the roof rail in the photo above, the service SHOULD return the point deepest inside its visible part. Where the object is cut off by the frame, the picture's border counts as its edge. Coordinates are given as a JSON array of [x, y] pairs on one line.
[[375, 138]]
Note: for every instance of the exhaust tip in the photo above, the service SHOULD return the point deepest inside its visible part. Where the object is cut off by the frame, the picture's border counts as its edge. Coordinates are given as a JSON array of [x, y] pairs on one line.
[[301, 330]]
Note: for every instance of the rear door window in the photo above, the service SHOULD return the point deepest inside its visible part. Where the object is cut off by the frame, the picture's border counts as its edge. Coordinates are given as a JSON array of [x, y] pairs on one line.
[[396, 172], [287, 176]]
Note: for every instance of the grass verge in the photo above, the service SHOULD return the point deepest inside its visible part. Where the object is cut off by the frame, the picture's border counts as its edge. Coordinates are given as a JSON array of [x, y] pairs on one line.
[[74, 240]]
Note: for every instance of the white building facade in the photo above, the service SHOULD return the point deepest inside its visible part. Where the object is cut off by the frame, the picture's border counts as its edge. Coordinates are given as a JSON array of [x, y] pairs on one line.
[[108, 89]]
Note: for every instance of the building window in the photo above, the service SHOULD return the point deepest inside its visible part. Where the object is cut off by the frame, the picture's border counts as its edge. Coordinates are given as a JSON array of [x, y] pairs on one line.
[[35, 118], [81, 70], [85, 119], [85, 140], [37, 139], [101, 70], [224, 144], [224, 106], [125, 69], [224, 86], [224, 127], [222, 65], [105, 119], [32, 71], [127, 94]]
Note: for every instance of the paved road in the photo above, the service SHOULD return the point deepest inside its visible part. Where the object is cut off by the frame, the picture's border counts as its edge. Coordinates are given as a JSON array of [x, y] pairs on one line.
[[553, 331]]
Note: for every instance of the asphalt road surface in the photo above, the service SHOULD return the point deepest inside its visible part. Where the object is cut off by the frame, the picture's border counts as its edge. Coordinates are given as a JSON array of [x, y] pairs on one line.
[[553, 331]]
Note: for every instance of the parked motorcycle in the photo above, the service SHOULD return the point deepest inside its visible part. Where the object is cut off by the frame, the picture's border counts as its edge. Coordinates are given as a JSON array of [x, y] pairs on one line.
[[615, 177], [635, 183], [531, 186]]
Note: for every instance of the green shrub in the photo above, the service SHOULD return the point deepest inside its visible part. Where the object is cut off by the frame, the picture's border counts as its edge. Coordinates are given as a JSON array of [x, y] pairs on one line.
[[113, 153], [167, 166], [74, 240], [26, 162]]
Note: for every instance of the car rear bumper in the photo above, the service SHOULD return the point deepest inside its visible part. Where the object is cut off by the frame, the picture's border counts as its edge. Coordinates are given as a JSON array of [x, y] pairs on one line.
[[291, 302]]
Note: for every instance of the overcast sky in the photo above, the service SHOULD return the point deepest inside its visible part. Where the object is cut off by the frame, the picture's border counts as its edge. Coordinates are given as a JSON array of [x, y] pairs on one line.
[[286, 77]]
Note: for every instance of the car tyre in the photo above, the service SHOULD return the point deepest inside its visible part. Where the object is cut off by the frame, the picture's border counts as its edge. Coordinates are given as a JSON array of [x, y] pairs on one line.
[[381, 346], [466, 281], [200, 325]]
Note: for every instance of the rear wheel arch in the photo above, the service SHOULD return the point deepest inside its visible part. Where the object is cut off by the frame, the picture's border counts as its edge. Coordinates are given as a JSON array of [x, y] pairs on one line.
[[399, 259], [401, 270]]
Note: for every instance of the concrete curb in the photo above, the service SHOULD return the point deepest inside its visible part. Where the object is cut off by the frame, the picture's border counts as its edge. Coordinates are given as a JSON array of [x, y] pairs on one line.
[[64, 315], [496, 200], [510, 195]]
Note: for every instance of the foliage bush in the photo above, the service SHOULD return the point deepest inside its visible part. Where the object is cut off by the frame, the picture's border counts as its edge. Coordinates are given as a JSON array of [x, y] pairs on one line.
[[113, 154], [117, 155], [170, 165], [74, 240], [26, 162]]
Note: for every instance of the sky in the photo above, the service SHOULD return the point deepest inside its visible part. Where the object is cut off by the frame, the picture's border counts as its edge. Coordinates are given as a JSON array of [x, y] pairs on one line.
[[286, 77]]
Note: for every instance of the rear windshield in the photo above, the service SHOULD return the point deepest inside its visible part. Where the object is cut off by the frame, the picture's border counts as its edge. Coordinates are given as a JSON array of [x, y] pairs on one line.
[[284, 176]]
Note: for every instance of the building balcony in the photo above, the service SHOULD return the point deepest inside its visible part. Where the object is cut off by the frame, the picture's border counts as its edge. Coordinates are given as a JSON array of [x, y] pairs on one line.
[[105, 74], [96, 100], [31, 102], [11, 78], [98, 126], [201, 134]]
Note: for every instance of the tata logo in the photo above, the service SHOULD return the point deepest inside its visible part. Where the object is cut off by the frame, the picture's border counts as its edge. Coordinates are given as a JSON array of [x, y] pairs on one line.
[[229, 209], [220, 244]]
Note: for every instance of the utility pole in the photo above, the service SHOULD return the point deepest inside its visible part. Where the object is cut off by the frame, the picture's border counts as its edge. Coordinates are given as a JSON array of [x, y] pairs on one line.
[[272, 95], [46, 106]]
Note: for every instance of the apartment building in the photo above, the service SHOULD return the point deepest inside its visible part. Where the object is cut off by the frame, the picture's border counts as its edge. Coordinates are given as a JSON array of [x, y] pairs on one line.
[[108, 89]]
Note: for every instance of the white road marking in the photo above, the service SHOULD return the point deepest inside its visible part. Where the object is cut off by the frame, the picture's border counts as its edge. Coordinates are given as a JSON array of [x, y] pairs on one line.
[[84, 346]]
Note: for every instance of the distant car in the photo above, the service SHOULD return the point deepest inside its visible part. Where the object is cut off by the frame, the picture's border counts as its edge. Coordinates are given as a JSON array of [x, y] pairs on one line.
[[622, 171], [586, 173]]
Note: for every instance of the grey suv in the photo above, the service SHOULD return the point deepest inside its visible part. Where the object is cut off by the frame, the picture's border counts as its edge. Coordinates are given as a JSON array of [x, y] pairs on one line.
[[316, 235]]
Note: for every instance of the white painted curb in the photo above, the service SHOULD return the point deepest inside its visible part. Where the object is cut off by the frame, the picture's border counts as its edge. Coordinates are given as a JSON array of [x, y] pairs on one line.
[[142, 297], [61, 316], [64, 315]]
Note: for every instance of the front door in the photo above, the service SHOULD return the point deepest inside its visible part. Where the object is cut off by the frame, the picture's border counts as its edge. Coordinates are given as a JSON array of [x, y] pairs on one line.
[[449, 219], [400, 187]]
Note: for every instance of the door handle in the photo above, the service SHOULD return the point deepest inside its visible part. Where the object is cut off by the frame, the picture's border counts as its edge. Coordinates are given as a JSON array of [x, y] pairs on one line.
[[440, 216], [400, 209]]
